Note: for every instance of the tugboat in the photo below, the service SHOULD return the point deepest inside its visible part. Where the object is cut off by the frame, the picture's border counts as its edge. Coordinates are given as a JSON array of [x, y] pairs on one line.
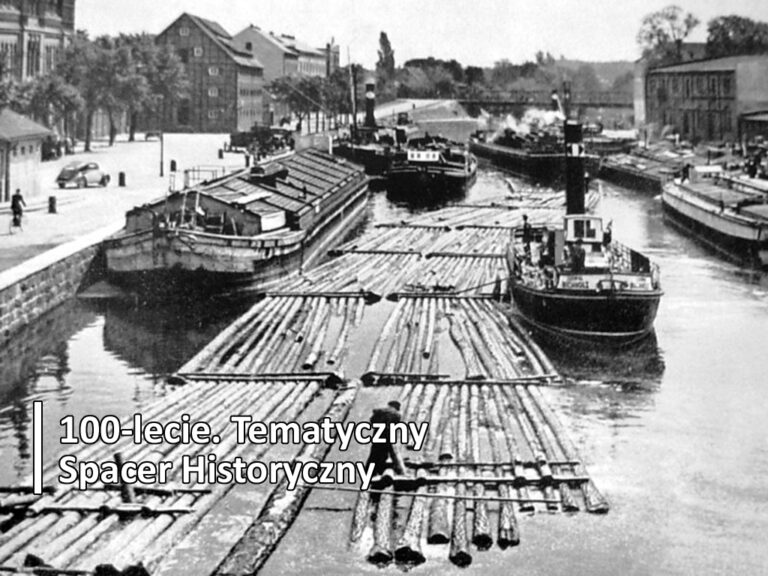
[[238, 234], [603, 291], [431, 168]]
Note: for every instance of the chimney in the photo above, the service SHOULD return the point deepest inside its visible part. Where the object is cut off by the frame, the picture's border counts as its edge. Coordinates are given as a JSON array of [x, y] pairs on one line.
[[370, 103], [574, 168]]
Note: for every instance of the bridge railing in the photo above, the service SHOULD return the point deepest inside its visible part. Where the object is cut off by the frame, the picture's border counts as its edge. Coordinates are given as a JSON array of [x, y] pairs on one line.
[[544, 98]]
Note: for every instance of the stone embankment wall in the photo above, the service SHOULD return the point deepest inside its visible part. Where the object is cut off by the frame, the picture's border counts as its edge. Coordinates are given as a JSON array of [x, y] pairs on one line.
[[31, 289]]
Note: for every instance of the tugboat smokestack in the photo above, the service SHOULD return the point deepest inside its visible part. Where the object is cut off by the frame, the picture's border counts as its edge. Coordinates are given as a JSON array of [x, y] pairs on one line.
[[370, 104], [574, 168]]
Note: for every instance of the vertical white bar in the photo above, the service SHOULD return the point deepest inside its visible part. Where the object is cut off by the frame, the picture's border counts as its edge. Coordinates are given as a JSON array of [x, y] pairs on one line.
[[37, 447]]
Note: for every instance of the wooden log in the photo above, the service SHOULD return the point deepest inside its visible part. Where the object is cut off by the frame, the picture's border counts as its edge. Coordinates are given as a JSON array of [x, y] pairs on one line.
[[594, 501], [384, 336], [361, 516], [381, 551], [319, 340], [551, 446], [150, 540], [439, 526], [528, 428], [506, 413], [459, 550], [263, 536], [408, 548], [341, 343], [481, 526], [508, 531]]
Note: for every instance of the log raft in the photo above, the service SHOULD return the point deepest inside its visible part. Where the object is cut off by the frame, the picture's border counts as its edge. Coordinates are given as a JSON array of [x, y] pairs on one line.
[[464, 366]]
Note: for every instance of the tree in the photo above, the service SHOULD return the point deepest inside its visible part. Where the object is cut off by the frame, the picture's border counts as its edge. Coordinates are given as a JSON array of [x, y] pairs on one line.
[[301, 94], [164, 79], [474, 75], [624, 83], [662, 33], [385, 69], [734, 35], [52, 101], [585, 79], [81, 67]]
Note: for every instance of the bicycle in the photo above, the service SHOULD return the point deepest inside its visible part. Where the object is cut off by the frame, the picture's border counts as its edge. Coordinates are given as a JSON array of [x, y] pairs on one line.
[[16, 222]]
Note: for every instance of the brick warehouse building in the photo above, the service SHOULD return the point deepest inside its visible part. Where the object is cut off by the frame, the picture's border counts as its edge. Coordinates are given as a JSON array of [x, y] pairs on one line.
[[705, 100], [32, 33], [226, 84]]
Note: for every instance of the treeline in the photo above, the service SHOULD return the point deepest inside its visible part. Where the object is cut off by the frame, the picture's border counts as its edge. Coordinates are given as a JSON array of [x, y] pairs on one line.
[[662, 36], [124, 75], [435, 78]]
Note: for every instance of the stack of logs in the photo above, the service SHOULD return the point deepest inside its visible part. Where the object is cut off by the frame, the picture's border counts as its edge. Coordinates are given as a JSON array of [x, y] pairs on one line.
[[283, 335], [489, 348], [79, 530], [492, 451]]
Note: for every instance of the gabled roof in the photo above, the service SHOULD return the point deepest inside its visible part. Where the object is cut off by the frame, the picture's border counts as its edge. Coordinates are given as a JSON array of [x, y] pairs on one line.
[[268, 36], [284, 42], [15, 127], [221, 38]]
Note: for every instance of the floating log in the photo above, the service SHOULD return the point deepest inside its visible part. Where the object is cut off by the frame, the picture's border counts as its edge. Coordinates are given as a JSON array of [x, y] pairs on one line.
[[594, 501], [361, 515], [459, 550], [261, 538], [439, 525], [408, 548], [381, 551]]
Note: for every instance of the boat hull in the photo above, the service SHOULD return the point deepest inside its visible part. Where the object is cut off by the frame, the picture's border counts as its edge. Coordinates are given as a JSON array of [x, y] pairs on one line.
[[544, 167], [737, 237], [429, 183], [375, 160], [613, 316], [631, 178], [165, 264], [547, 167]]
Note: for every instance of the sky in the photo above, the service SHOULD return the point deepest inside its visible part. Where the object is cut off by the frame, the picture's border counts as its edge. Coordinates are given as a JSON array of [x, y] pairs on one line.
[[474, 32]]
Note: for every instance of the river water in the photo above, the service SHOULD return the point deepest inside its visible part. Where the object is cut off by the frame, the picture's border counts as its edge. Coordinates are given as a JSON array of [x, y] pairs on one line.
[[674, 432]]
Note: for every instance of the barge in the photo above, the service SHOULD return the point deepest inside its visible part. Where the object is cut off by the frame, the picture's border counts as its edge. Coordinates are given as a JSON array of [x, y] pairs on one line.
[[728, 214], [241, 233], [536, 155]]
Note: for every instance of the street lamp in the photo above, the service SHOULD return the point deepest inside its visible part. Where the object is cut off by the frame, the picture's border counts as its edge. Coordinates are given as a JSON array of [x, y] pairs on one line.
[[162, 151]]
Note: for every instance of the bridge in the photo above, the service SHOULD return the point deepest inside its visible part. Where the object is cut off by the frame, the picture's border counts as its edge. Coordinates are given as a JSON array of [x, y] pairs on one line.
[[504, 102]]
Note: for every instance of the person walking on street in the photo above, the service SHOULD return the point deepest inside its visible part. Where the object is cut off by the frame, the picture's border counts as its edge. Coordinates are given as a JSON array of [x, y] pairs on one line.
[[17, 208]]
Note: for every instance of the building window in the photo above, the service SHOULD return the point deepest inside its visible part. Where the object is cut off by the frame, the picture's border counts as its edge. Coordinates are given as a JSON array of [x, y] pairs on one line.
[[184, 55], [23, 150], [213, 91], [213, 71], [249, 46], [198, 51], [212, 114], [183, 31]]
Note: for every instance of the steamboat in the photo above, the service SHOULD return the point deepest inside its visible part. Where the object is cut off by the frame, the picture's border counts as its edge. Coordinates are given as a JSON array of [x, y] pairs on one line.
[[601, 291], [240, 233], [431, 168]]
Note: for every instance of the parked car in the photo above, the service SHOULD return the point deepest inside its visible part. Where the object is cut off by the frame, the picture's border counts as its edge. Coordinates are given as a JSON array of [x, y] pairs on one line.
[[82, 174]]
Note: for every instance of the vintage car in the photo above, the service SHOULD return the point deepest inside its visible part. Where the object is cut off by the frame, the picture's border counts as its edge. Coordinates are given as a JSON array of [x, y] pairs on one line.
[[82, 174]]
